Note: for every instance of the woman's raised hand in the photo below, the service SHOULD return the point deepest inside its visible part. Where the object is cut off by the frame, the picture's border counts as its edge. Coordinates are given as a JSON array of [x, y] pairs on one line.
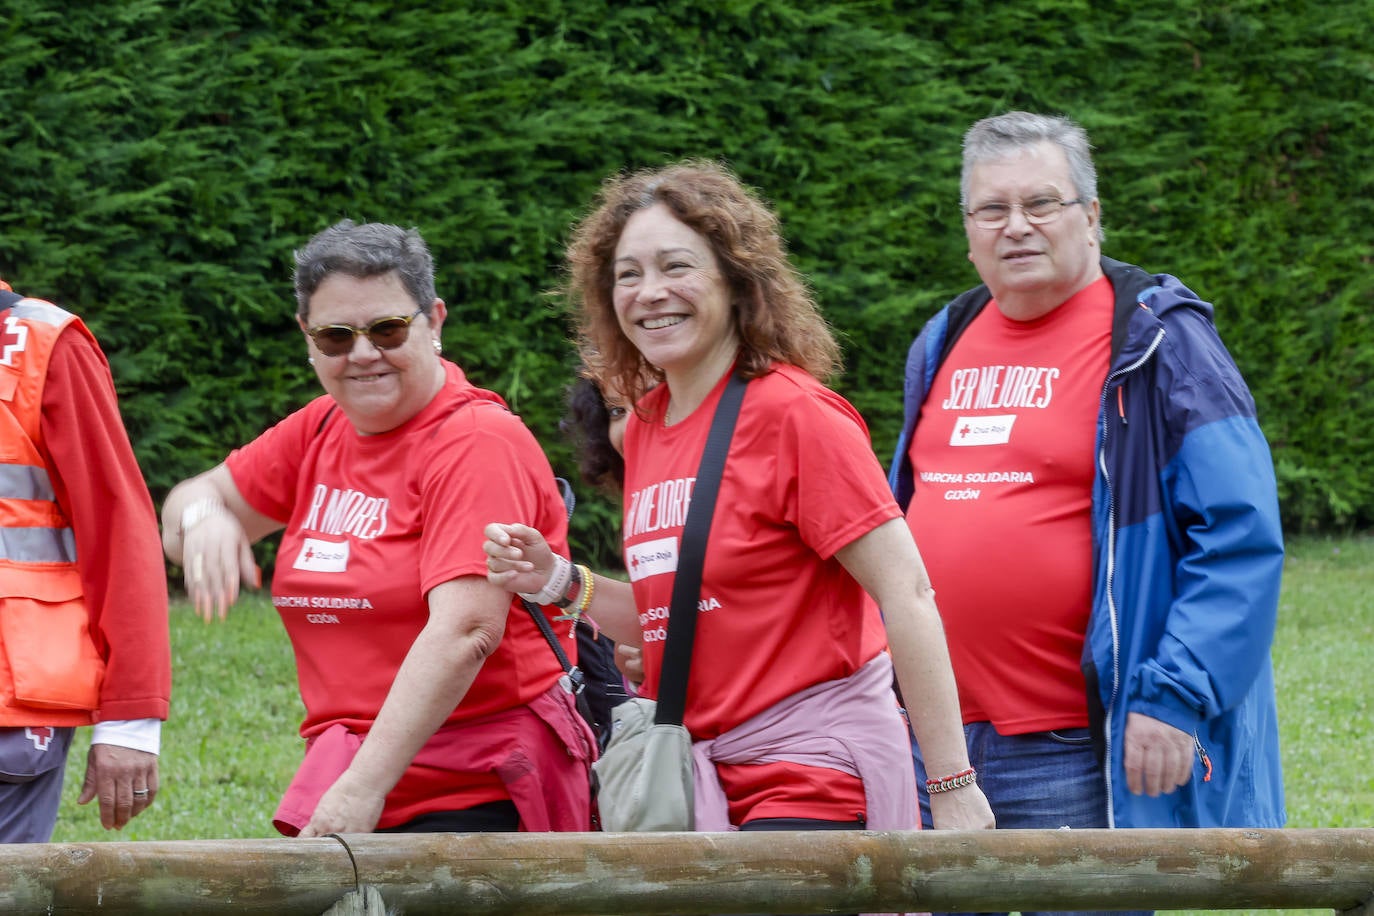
[[218, 558]]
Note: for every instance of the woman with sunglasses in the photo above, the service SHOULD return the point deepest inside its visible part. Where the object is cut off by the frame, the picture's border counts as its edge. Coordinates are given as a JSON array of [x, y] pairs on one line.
[[680, 274], [432, 701]]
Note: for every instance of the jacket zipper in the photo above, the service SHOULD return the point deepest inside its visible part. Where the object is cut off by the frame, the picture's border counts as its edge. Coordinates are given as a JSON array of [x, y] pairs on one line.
[[1111, 562], [1202, 756]]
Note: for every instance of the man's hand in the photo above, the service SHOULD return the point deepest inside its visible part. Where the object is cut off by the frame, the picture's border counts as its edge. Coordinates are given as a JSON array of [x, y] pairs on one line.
[[125, 781], [1159, 757]]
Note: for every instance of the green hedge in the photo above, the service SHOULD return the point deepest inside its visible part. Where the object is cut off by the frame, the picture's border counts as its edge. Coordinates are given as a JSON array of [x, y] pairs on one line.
[[161, 160]]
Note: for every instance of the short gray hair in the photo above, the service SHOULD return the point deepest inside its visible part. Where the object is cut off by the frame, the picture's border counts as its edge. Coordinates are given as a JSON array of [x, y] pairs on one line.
[[1001, 136], [362, 251]]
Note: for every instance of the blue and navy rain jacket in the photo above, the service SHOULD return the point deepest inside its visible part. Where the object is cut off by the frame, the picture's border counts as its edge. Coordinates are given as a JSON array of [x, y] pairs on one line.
[[1188, 550]]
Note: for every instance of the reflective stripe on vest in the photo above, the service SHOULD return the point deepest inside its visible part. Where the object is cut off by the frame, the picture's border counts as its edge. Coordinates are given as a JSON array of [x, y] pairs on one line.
[[24, 481], [38, 310], [38, 545]]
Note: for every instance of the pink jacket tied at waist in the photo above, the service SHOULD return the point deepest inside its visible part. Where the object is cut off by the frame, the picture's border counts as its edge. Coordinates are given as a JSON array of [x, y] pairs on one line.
[[851, 725], [548, 794]]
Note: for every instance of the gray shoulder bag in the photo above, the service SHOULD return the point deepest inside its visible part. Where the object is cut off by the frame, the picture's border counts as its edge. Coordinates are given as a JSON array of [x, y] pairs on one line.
[[644, 777]]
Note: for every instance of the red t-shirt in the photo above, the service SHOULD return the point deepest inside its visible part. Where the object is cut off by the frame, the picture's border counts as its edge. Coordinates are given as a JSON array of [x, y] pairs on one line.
[[1003, 460], [778, 611], [372, 524]]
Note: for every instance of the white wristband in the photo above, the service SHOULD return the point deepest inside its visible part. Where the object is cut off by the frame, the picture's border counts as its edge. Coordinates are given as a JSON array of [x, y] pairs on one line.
[[199, 511], [556, 587]]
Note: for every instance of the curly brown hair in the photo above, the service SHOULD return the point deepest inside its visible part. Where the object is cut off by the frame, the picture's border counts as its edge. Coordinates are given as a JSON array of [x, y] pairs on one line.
[[775, 315]]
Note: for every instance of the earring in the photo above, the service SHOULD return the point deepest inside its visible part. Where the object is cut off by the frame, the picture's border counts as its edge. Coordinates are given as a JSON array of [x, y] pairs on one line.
[[310, 360], [438, 347]]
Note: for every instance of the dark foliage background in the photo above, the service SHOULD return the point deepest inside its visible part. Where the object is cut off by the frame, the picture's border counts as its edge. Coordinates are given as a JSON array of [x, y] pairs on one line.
[[160, 160]]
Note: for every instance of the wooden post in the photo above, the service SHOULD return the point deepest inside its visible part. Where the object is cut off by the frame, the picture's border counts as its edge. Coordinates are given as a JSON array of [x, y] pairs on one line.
[[842, 872], [666, 873], [193, 877]]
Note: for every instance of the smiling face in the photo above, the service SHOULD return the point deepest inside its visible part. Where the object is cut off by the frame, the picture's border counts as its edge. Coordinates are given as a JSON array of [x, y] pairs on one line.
[[1032, 270], [377, 390], [670, 297]]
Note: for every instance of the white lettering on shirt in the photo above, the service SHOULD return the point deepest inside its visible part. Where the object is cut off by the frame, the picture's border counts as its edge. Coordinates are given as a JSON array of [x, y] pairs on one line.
[[1000, 388], [346, 512], [659, 506]]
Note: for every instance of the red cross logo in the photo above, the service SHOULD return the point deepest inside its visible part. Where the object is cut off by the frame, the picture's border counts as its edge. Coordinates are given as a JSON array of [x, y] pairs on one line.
[[13, 337], [40, 735]]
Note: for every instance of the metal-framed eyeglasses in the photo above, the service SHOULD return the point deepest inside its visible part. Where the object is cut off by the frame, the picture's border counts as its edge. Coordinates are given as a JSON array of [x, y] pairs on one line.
[[1038, 212], [384, 334]]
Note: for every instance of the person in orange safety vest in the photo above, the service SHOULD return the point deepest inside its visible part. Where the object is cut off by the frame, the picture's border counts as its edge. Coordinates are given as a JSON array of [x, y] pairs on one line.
[[83, 593]]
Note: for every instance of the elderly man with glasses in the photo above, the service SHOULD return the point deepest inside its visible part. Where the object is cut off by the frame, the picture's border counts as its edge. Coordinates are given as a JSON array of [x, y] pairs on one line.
[[1083, 471]]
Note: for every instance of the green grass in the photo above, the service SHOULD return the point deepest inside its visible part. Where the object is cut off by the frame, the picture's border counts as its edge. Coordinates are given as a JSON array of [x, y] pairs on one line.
[[231, 746]]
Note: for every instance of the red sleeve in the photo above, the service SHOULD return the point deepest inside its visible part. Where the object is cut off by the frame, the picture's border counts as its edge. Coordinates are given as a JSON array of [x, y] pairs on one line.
[[118, 547], [267, 470], [485, 465], [836, 491]]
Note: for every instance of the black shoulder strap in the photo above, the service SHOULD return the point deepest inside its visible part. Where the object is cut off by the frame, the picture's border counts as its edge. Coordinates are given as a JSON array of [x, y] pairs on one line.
[[324, 420], [8, 299], [682, 614], [574, 673]]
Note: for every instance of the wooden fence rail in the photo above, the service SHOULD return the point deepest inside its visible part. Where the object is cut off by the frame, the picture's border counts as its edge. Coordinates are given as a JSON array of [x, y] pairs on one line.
[[675, 873]]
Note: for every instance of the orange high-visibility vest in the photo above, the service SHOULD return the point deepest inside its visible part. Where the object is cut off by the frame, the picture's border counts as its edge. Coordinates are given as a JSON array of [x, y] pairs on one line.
[[50, 670]]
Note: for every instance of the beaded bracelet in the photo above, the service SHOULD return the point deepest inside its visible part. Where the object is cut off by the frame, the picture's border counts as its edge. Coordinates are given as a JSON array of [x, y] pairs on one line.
[[584, 599], [950, 783], [588, 586]]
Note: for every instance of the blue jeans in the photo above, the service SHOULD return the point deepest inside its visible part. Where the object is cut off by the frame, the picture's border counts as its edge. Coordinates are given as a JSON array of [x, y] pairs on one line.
[[1041, 780]]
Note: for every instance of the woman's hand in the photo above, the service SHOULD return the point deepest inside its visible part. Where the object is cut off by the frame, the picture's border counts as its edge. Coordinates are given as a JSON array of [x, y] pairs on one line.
[[630, 662], [964, 808], [518, 557], [208, 529], [345, 808], [217, 557]]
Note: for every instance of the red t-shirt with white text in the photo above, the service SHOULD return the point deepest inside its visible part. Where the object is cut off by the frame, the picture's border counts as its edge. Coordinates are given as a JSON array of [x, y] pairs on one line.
[[1003, 466], [778, 612], [372, 524]]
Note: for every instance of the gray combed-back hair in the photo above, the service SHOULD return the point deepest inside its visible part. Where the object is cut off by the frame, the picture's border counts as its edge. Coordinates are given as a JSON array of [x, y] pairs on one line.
[[1005, 134], [361, 251]]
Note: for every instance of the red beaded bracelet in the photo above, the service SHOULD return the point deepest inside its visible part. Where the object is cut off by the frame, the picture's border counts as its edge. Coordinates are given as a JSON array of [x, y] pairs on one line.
[[950, 783]]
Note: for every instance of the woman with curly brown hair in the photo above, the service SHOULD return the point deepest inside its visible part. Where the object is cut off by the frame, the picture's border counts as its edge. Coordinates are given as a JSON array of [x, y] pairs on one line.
[[681, 275]]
